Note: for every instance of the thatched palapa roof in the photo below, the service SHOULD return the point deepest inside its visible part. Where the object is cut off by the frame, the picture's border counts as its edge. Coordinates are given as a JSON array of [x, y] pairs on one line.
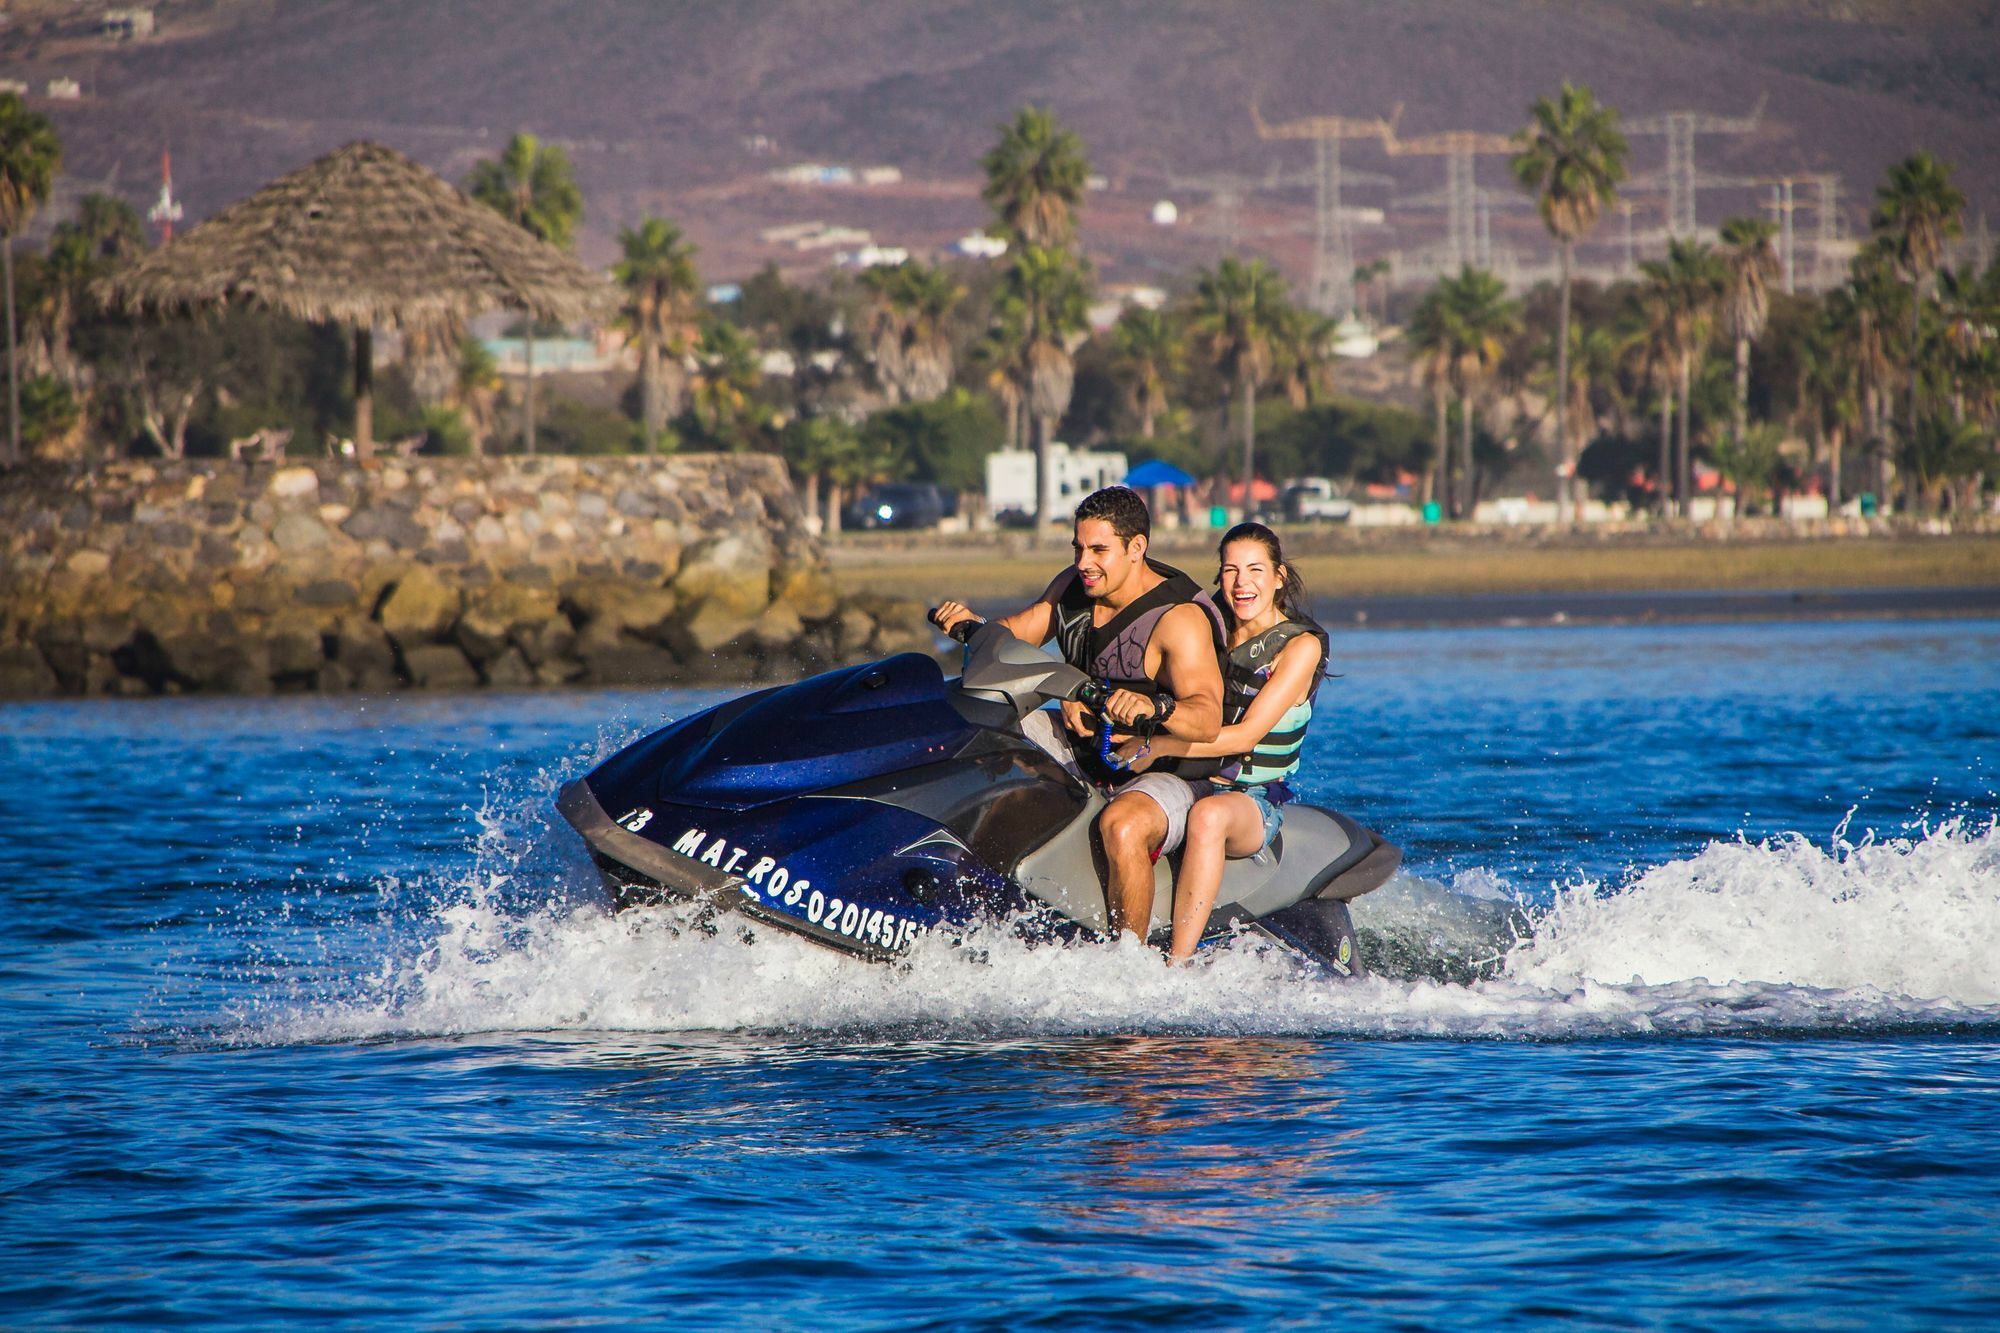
[[362, 237]]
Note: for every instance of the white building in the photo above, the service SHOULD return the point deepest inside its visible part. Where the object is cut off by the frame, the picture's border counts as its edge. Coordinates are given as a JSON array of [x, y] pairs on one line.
[[1010, 477], [978, 245], [872, 256]]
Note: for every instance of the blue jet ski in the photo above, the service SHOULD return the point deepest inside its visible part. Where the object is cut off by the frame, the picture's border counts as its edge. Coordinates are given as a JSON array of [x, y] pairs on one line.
[[864, 807]]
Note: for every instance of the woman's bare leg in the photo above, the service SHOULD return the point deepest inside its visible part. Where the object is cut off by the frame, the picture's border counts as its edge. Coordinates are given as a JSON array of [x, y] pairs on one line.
[[1226, 824]]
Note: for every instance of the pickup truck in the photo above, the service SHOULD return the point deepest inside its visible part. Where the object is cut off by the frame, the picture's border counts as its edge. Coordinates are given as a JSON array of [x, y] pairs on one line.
[[1312, 500]]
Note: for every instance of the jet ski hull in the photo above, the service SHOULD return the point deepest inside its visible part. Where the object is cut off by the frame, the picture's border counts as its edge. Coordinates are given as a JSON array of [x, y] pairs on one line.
[[865, 807]]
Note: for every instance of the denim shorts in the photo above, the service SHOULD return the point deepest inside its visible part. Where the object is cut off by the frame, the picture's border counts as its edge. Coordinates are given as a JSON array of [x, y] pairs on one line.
[[1267, 810]]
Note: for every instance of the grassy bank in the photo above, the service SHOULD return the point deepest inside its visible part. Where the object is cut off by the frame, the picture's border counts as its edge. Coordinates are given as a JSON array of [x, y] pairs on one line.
[[936, 566]]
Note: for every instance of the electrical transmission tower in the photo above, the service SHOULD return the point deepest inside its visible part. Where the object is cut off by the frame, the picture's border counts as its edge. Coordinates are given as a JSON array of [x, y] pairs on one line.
[[1226, 194], [1783, 204], [1333, 246], [1680, 129], [1826, 208], [1461, 189]]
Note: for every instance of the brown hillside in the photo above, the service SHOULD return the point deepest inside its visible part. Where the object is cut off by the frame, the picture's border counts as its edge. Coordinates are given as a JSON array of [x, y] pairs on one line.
[[660, 101]]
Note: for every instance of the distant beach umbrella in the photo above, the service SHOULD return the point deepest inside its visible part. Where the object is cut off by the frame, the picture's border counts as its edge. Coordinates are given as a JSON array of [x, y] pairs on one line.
[[1157, 473], [365, 238]]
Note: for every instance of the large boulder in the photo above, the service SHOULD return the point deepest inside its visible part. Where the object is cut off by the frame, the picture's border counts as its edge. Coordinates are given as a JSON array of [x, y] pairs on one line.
[[494, 614], [901, 628], [421, 606], [807, 589], [777, 629], [299, 534], [732, 572], [619, 659], [510, 671], [24, 673], [440, 666], [296, 646], [712, 626], [296, 484], [225, 665], [365, 655], [547, 645]]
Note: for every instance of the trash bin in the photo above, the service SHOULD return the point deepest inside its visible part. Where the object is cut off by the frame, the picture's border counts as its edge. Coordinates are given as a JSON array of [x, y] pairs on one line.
[[1433, 513], [1868, 505], [1218, 516]]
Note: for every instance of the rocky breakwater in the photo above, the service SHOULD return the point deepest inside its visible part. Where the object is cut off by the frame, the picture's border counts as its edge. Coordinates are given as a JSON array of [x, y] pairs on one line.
[[204, 575]]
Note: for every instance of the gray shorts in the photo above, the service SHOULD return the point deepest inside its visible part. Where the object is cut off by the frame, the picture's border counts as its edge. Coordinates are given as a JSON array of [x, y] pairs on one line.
[[1172, 794]]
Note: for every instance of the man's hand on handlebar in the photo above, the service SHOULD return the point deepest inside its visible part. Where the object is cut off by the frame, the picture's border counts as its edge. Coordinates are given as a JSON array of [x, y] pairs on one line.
[[1130, 711], [955, 620], [1125, 707]]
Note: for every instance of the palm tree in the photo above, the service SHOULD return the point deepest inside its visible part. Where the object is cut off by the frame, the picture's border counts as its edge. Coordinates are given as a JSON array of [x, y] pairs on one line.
[[1594, 356], [1750, 460], [1046, 301], [1916, 211], [1941, 452], [856, 458], [1654, 358], [1460, 330], [1035, 180], [1147, 351], [475, 391], [1001, 353], [1827, 397], [1239, 310], [1430, 334], [1970, 304], [534, 187], [814, 446], [1572, 158], [1299, 357], [909, 332], [1482, 317], [1866, 309], [1689, 285], [1751, 262], [661, 287], [725, 384], [29, 157], [1367, 277], [105, 230]]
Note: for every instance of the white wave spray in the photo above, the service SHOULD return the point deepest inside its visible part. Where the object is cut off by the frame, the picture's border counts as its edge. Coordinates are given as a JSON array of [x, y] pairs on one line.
[[1917, 917], [1739, 938]]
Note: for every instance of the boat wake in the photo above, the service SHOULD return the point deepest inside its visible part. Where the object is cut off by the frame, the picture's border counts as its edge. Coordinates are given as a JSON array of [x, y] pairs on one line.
[[1786, 936]]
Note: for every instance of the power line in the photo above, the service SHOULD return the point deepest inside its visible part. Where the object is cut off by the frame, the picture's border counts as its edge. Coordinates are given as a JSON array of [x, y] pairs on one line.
[[1332, 290]]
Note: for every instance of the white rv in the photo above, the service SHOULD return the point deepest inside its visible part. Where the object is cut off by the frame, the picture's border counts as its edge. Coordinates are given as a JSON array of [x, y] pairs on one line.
[[1010, 478]]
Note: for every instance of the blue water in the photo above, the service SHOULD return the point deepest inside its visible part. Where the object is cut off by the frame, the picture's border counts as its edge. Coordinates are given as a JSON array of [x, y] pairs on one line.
[[1691, 1018]]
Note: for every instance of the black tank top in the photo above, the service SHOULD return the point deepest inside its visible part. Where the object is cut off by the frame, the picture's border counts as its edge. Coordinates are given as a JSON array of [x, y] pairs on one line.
[[1115, 653]]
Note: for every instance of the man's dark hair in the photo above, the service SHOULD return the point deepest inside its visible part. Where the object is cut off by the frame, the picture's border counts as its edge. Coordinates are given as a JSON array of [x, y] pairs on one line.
[[1122, 508]]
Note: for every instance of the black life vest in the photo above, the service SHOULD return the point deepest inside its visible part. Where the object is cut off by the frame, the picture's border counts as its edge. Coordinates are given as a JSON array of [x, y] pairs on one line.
[[1244, 674], [1115, 652]]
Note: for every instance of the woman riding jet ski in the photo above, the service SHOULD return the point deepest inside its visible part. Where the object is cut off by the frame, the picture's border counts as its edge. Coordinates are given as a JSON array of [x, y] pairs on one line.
[[866, 806]]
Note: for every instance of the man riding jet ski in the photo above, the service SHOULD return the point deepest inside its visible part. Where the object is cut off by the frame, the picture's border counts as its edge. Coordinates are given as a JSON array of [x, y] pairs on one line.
[[1156, 641], [862, 807]]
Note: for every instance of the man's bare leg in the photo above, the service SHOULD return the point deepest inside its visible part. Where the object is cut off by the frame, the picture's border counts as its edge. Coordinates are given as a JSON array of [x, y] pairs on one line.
[[1132, 826]]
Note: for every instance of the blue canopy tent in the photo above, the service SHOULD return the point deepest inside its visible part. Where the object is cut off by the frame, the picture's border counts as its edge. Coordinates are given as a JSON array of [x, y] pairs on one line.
[[1157, 473]]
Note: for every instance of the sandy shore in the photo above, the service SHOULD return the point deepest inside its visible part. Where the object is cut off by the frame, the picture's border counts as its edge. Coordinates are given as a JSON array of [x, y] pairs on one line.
[[1458, 580]]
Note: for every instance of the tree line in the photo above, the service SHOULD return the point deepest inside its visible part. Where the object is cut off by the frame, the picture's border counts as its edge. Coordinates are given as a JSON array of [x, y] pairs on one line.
[[919, 370]]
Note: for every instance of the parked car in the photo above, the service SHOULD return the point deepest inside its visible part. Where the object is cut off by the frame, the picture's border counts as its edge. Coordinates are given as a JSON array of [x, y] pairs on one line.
[[1312, 499], [898, 504]]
